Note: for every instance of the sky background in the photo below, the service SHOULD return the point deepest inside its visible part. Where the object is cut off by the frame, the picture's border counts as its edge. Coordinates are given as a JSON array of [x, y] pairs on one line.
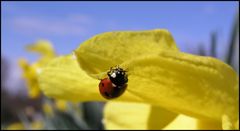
[[68, 24]]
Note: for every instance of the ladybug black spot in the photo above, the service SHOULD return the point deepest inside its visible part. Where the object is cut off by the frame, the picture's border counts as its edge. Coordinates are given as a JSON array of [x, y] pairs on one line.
[[106, 94], [102, 84]]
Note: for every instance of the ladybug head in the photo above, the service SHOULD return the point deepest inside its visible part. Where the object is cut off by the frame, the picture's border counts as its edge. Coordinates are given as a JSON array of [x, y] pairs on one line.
[[118, 76]]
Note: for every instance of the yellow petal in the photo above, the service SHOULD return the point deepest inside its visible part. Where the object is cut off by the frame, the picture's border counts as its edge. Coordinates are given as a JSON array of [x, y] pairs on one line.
[[15, 126], [62, 78], [30, 72], [183, 122], [228, 123], [47, 108], [109, 49], [37, 125], [61, 105], [23, 64], [30, 75], [202, 87], [124, 115], [209, 125], [129, 115], [42, 47], [237, 125]]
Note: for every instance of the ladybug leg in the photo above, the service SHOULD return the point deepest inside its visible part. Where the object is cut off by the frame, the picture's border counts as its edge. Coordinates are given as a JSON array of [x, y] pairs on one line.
[[116, 67], [109, 70], [109, 73]]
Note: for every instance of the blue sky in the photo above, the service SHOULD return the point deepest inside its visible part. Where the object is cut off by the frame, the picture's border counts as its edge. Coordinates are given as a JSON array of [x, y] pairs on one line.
[[67, 24]]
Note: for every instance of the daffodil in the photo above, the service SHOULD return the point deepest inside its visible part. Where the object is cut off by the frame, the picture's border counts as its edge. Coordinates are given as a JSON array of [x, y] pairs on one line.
[[49, 106], [30, 71], [165, 86], [35, 125], [61, 105], [15, 126], [47, 109]]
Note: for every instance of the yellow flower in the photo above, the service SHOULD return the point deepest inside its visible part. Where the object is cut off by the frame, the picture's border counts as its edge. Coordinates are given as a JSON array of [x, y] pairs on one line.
[[35, 125], [47, 109], [30, 75], [30, 71], [61, 105], [124, 115], [49, 106], [15, 126], [160, 76]]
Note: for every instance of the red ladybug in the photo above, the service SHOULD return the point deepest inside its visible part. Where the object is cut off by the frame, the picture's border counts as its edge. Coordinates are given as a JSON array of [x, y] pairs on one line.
[[115, 84]]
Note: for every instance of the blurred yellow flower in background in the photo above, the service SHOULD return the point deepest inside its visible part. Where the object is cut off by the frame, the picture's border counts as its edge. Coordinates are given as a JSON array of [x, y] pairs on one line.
[[30, 71], [36, 125], [61, 105], [170, 89], [48, 107], [15, 126], [30, 75]]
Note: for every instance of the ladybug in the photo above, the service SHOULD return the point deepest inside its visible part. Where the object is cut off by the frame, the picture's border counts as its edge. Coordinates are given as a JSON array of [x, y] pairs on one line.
[[115, 84]]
